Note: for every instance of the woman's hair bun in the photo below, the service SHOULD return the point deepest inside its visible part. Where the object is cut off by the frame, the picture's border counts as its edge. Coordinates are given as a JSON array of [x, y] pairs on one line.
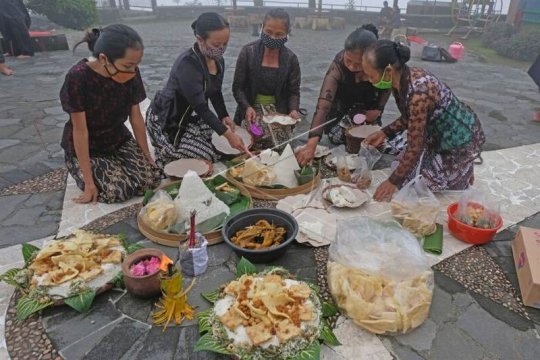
[[372, 28], [194, 26], [403, 53]]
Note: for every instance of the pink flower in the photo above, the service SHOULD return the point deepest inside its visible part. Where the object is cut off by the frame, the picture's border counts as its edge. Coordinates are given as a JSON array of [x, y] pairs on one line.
[[138, 269]]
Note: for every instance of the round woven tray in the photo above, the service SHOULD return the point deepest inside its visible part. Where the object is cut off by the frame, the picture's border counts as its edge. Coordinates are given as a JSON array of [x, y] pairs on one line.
[[276, 194], [172, 240]]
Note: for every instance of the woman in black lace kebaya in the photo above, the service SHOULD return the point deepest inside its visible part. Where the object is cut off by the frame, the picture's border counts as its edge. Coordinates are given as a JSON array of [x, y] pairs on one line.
[[345, 92], [267, 80]]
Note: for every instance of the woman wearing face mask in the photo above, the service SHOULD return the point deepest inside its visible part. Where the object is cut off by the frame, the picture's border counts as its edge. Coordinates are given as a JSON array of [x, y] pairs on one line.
[[345, 92], [179, 121], [99, 95], [444, 134], [267, 74]]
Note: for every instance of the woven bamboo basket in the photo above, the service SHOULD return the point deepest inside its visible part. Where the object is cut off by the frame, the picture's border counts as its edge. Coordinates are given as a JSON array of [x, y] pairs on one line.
[[172, 240]]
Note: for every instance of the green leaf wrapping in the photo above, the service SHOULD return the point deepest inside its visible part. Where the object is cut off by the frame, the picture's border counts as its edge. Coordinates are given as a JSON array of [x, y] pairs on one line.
[[244, 267], [26, 307], [211, 224], [28, 252], [312, 352], [239, 206], [305, 174], [81, 302], [327, 335], [118, 281], [329, 310], [211, 297], [9, 277], [204, 324], [133, 247], [208, 343], [316, 289]]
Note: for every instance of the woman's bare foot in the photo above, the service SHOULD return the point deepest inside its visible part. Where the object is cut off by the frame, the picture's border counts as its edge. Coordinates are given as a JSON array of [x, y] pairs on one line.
[[22, 57], [5, 70]]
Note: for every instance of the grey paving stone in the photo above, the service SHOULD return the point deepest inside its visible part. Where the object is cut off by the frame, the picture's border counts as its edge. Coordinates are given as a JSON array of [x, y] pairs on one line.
[[442, 309], [500, 338], [13, 235], [119, 340], [79, 349], [6, 122], [186, 342], [160, 344], [421, 338], [399, 351], [138, 309], [122, 227], [25, 217], [451, 344], [9, 204], [4, 143], [57, 110], [81, 325]]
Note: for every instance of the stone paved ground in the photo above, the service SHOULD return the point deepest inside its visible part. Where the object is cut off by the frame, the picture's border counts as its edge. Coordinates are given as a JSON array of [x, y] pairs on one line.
[[462, 324]]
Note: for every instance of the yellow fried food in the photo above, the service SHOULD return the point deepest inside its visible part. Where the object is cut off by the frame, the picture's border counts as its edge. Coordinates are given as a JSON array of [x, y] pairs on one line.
[[268, 307], [79, 257], [379, 304], [262, 235]]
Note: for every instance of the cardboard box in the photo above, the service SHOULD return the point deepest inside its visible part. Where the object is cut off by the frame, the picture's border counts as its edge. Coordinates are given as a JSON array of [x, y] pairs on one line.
[[526, 250]]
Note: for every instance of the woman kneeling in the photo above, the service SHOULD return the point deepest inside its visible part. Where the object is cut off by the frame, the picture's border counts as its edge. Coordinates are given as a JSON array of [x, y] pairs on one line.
[[99, 96]]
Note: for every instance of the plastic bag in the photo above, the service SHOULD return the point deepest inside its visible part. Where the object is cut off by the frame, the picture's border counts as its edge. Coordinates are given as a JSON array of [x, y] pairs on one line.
[[194, 261], [416, 208], [160, 212], [378, 247], [361, 176], [476, 209], [371, 154], [379, 275]]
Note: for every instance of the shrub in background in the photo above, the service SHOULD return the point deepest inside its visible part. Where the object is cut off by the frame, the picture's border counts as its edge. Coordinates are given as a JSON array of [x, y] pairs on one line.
[[503, 38], [73, 14]]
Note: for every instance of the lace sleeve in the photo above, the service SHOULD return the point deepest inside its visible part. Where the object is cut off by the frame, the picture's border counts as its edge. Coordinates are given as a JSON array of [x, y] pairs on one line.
[[326, 98]]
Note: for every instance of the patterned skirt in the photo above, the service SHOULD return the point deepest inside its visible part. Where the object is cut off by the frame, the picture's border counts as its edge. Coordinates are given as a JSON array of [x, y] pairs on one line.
[[451, 170], [195, 142], [118, 177]]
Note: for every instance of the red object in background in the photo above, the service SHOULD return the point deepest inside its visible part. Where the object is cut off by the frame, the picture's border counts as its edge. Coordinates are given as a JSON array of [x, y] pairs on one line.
[[470, 234], [417, 39], [456, 49], [41, 33]]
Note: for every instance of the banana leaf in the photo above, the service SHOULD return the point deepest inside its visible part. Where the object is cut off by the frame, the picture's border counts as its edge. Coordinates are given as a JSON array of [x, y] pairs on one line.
[[305, 174]]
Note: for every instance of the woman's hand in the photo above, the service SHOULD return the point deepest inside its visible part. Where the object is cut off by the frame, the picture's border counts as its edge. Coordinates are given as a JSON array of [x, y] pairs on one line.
[[90, 194], [295, 115], [385, 191], [251, 115], [372, 116], [376, 139], [228, 122], [235, 141], [306, 154], [150, 160]]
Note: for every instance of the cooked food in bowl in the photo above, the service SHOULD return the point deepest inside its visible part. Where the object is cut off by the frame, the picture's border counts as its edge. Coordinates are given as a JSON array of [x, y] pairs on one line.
[[262, 235]]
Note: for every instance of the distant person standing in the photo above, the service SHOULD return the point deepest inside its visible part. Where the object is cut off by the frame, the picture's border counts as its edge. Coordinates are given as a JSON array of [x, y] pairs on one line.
[[385, 21], [14, 26], [534, 73], [4, 69]]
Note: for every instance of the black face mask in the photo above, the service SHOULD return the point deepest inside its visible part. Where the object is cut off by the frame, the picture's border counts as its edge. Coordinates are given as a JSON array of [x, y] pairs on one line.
[[272, 43]]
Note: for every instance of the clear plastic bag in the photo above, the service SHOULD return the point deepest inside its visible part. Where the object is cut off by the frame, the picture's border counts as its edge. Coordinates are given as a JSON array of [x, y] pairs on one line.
[[378, 247], [477, 209], [160, 212], [361, 176], [379, 275], [416, 208], [371, 154]]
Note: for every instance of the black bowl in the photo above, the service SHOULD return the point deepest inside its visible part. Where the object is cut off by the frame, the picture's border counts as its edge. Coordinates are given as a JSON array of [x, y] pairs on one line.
[[250, 217]]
